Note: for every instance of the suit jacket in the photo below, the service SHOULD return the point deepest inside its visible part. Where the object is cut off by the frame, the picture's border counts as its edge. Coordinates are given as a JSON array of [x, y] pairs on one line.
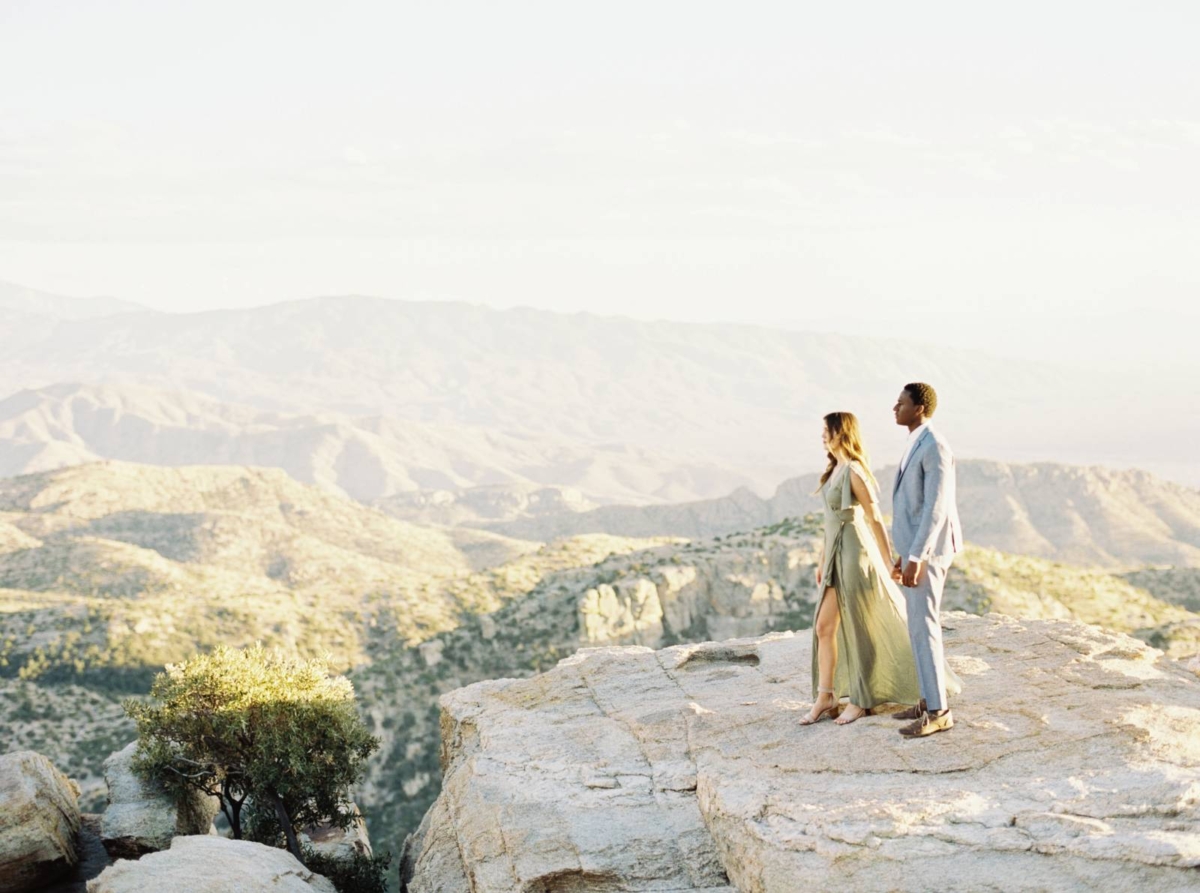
[[924, 513]]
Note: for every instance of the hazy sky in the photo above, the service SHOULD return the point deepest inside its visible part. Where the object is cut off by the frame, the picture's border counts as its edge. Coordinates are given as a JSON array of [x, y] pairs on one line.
[[1024, 176]]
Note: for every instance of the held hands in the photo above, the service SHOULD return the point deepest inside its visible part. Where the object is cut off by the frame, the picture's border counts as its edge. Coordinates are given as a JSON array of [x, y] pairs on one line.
[[914, 572], [897, 574]]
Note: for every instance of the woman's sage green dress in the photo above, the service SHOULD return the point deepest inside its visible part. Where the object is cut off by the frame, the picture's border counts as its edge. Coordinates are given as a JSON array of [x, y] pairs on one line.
[[874, 658]]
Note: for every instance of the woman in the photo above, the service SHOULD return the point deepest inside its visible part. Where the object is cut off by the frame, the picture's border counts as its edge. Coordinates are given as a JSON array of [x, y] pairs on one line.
[[860, 640]]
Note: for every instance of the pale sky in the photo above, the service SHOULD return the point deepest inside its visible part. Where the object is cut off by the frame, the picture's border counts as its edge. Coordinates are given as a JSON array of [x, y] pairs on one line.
[[1020, 176]]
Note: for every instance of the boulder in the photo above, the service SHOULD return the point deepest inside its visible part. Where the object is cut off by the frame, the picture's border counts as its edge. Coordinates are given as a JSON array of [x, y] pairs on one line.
[[39, 822], [211, 865], [140, 818], [1074, 764]]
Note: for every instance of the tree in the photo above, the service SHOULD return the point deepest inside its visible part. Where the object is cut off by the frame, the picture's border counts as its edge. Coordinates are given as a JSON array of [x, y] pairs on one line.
[[256, 724]]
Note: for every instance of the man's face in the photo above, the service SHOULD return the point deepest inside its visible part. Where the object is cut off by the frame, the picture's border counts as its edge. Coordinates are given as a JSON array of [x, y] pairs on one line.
[[906, 411]]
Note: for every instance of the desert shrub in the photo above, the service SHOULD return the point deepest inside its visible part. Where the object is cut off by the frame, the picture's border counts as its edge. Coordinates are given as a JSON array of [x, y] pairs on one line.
[[358, 874], [255, 723]]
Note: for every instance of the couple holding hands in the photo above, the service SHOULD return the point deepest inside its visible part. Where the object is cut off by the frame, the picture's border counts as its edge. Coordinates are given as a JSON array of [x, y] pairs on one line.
[[877, 637]]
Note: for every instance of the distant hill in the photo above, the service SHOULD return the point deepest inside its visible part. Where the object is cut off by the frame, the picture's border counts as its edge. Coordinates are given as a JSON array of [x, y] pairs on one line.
[[1087, 516], [475, 506], [744, 399], [241, 518], [121, 568], [363, 457], [453, 475], [118, 568], [25, 300]]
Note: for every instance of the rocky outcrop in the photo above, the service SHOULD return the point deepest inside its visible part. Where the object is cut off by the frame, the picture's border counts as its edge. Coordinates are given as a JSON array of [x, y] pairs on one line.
[[39, 822], [212, 865], [140, 818], [1074, 765], [722, 593]]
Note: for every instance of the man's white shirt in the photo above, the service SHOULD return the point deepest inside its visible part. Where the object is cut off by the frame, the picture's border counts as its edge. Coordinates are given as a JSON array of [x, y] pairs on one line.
[[913, 436]]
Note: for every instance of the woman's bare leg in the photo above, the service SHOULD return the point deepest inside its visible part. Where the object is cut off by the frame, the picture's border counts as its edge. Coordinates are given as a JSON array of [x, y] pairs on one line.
[[826, 626], [828, 619]]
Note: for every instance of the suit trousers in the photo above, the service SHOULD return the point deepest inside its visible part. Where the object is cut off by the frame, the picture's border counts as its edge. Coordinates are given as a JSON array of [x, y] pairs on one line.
[[925, 632]]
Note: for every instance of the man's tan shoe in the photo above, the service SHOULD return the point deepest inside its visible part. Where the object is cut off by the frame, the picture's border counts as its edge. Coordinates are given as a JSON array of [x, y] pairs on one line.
[[928, 724], [913, 712]]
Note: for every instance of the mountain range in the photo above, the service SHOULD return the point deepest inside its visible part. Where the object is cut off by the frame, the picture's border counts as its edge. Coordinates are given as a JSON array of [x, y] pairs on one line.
[[1090, 516], [17, 300], [744, 400], [535, 489], [459, 476], [121, 568], [363, 457]]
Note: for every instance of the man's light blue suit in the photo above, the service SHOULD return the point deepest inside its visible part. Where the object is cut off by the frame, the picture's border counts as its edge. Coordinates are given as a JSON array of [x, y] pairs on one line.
[[925, 524]]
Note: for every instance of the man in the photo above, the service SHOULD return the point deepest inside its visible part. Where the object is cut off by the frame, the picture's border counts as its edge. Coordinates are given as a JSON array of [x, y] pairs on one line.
[[927, 535]]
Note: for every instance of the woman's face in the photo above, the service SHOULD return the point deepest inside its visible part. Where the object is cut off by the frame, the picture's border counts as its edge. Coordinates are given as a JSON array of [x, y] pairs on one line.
[[825, 441]]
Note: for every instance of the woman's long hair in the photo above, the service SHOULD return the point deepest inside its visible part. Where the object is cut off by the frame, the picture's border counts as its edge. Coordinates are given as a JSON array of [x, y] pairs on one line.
[[844, 435]]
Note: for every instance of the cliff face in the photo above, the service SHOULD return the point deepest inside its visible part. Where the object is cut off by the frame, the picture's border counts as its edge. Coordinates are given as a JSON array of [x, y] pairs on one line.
[[1074, 764]]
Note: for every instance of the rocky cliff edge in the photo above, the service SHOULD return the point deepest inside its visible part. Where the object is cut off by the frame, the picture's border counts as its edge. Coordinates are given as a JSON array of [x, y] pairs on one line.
[[1074, 764]]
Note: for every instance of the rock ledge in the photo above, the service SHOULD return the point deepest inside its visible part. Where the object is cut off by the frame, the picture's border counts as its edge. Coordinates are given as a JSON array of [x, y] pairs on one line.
[[1074, 765]]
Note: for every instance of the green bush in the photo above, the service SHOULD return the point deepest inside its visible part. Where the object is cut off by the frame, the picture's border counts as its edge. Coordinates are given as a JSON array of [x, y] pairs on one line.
[[358, 874], [255, 723]]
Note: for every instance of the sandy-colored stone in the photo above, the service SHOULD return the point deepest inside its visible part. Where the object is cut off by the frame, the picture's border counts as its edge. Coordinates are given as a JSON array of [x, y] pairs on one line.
[[39, 822], [206, 864], [1074, 765], [142, 819], [723, 592]]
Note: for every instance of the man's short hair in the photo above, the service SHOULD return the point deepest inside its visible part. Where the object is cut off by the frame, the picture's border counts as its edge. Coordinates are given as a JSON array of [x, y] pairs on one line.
[[923, 395]]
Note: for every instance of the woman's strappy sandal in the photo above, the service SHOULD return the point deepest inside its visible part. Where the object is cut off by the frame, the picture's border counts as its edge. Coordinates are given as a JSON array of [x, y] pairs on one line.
[[829, 712]]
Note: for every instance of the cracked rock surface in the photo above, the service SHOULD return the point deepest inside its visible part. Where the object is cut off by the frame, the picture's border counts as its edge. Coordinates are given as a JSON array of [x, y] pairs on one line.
[[1074, 764]]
